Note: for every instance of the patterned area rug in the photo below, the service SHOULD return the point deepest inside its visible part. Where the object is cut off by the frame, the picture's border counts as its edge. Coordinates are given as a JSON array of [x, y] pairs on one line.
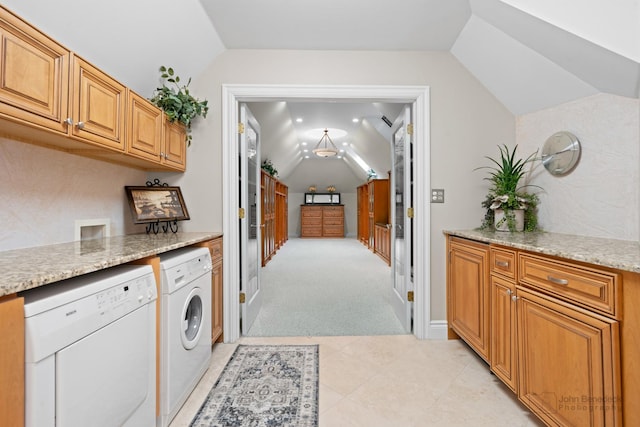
[[264, 386]]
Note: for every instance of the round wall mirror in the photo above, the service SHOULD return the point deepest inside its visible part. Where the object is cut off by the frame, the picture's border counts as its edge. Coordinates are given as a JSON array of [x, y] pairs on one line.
[[561, 153]]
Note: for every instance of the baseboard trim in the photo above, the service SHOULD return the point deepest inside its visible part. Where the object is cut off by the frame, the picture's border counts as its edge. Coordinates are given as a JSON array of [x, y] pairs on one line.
[[437, 330]]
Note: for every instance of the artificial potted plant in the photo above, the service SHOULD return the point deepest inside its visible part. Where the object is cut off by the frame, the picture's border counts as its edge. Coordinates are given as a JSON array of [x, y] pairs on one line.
[[176, 100], [509, 206]]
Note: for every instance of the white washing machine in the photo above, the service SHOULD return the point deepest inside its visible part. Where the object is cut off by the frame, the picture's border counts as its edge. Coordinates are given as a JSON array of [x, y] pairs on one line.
[[90, 350], [185, 337]]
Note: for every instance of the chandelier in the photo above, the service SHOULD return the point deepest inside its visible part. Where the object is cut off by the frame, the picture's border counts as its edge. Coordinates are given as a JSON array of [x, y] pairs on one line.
[[325, 147]]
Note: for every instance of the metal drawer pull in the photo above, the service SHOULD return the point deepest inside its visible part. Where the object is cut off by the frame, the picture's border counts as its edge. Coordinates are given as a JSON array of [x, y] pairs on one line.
[[502, 264], [557, 281]]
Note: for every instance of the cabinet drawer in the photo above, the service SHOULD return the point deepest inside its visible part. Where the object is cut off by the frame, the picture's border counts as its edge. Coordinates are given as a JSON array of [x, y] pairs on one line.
[[333, 231], [311, 232], [585, 286], [333, 212], [503, 261], [333, 221], [311, 213], [312, 221]]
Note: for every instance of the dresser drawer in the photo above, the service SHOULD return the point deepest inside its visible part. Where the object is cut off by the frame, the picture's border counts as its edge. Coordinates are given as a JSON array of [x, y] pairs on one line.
[[585, 286], [333, 231], [311, 220], [333, 221], [311, 232], [503, 261], [314, 212], [333, 211]]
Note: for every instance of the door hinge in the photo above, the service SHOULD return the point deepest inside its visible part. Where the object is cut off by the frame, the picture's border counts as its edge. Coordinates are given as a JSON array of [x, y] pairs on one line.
[[410, 212], [410, 129], [410, 296], [241, 213], [242, 297], [240, 128]]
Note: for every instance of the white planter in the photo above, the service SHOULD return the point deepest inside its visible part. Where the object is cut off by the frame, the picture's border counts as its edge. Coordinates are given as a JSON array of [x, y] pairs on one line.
[[501, 222]]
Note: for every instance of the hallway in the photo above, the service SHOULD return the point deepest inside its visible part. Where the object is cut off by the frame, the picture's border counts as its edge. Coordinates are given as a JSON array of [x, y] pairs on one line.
[[325, 287]]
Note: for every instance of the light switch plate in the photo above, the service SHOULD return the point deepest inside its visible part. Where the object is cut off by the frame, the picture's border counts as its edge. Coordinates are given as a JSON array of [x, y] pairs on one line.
[[437, 195]]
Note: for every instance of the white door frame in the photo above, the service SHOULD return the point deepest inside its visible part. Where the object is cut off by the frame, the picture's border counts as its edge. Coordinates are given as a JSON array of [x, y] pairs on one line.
[[418, 96]]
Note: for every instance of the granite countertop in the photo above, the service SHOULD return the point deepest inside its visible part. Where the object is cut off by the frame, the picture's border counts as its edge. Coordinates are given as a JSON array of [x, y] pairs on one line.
[[29, 268], [619, 254]]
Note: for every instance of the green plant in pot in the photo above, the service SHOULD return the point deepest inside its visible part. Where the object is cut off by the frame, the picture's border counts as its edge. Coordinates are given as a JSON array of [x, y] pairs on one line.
[[509, 206], [176, 100], [268, 167]]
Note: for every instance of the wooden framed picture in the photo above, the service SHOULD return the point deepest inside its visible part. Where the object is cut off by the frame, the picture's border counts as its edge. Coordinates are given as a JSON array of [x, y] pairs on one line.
[[153, 204]]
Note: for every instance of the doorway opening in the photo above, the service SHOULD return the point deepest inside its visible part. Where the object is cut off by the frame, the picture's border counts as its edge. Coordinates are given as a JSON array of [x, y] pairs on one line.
[[417, 96]]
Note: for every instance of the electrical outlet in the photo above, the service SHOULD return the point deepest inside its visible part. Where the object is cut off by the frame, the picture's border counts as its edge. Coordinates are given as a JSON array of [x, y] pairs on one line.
[[437, 195]]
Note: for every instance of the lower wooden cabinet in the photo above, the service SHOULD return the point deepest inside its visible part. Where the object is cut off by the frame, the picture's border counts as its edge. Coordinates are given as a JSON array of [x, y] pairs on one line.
[[215, 249], [12, 361], [383, 242], [468, 293], [216, 302], [503, 349], [561, 350], [569, 373]]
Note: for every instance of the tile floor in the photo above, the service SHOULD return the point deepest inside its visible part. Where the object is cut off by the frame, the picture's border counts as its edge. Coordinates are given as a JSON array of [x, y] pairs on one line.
[[392, 381]]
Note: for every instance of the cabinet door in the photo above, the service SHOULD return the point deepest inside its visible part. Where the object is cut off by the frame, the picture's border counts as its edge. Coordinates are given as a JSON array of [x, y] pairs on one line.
[[34, 75], [174, 153], [568, 362], [12, 361], [468, 293], [144, 132], [98, 106], [503, 331], [216, 302]]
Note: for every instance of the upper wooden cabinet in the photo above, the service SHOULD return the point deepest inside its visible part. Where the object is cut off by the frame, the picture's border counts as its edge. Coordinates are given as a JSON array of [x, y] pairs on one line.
[[174, 148], [34, 75], [152, 136], [146, 131], [98, 106], [52, 97]]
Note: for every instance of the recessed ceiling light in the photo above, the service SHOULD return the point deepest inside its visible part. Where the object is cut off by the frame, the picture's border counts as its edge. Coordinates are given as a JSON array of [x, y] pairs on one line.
[[305, 151], [318, 133], [303, 143], [345, 143], [355, 120], [306, 157], [299, 120]]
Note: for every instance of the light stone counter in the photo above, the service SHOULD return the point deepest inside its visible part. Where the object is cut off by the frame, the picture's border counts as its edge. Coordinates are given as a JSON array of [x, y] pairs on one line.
[[29, 268], [619, 254]]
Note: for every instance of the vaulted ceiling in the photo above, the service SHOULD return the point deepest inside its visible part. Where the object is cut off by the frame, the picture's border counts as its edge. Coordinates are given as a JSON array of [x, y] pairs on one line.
[[531, 54]]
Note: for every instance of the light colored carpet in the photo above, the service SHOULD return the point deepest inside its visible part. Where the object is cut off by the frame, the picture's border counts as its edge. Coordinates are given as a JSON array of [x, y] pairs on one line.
[[325, 287]]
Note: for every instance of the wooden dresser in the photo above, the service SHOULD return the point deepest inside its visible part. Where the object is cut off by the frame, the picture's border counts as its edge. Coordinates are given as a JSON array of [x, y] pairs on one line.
[[321, 221]]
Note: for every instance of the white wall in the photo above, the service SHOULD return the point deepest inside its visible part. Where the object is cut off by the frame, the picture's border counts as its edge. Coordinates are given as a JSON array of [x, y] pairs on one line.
[[466, 122], [601, 196], [44, 191]]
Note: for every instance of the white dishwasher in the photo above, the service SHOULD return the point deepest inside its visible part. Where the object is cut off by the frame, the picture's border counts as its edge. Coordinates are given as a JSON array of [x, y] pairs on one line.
[[90, 350]]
